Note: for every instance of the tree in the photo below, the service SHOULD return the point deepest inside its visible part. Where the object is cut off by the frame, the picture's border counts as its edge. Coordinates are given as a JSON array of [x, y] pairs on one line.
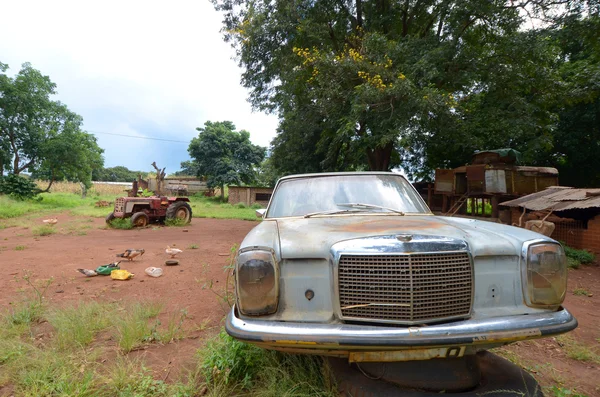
[[416, 83], [188, 168], [25, 112], [225, 156], [68, 153], [115, 174], [577, 133], [41, 135]]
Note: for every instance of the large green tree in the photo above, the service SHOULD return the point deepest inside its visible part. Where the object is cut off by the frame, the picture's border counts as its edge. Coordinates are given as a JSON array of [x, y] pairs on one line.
[[41, 135], [25, 112], [225, 156], [381, 83]]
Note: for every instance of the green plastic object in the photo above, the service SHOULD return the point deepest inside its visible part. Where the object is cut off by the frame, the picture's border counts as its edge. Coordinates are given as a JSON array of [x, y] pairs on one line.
[[105, 270]]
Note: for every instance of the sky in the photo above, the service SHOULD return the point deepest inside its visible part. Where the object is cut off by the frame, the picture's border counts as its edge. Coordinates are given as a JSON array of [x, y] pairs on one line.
[[148, 69]]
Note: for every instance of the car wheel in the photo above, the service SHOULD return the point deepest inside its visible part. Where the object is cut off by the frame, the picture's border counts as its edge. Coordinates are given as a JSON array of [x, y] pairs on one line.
[[140, 219], [109, 218], [180, 210]]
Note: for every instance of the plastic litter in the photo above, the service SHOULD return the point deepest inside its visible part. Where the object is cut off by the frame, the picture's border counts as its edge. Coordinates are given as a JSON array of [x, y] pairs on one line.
[[121, 274], [106, 270], [154, 271]]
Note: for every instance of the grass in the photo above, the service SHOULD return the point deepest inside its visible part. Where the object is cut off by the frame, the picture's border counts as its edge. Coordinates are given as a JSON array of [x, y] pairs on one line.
[[576, 258], [44, 230], [175, 222], [121, 223], [580, 291], [45, 203], [193, 246], [20, 248], [212, 207], [577, 351], [231, 367]]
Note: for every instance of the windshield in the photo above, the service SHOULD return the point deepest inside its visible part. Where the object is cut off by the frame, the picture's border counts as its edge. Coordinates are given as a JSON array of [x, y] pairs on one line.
[[345, 194]]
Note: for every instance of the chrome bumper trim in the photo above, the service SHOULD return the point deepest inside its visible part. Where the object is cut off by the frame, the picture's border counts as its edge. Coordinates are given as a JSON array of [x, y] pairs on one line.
[[482, 331]]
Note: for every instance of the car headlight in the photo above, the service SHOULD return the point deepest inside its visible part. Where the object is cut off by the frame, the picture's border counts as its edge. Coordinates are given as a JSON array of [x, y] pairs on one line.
[[257, 281], [545, 274]]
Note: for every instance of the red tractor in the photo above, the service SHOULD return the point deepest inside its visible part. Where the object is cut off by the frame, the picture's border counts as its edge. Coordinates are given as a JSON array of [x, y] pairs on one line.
[[144, 210]]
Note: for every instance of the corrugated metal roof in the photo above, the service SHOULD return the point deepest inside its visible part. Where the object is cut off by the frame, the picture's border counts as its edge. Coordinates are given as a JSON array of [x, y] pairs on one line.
[[558, 198]]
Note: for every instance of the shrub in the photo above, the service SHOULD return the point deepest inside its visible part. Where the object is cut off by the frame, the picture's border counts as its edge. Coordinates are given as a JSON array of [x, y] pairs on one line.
[[241, 205], [256, 206], [120, 223], [18, 187], [581, 256]]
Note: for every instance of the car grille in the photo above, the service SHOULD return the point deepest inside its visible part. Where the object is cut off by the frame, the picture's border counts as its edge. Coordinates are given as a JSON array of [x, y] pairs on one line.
[[405, 288], [119, 205]]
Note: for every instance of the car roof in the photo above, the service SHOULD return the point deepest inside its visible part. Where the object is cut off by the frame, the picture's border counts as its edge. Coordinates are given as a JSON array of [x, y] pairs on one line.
[[340, 173]]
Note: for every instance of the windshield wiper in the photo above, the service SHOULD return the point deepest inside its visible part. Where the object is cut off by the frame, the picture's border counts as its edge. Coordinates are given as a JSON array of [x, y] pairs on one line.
[[330, 212], [362, 205]]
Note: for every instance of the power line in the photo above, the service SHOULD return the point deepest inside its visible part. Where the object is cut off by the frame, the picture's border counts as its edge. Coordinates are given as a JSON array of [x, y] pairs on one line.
[[138, 137]]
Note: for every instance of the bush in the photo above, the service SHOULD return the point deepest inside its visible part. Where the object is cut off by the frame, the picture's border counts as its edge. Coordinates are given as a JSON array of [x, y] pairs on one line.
[[119, 223], [581, 256], [18, 187], [256, 206], [241, 205]]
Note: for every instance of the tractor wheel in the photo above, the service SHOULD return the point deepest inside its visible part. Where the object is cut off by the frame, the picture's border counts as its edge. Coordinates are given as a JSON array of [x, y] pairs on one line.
[[140, 219], [110, 217], [180, 210]]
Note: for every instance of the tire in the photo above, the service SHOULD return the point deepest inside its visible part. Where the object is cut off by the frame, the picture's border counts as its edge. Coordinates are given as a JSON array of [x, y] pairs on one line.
[[110, 217], [180, 210], [140, 219]]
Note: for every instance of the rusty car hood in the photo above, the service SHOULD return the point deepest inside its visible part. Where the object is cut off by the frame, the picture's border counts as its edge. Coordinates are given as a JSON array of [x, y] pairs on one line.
[[295, 238]]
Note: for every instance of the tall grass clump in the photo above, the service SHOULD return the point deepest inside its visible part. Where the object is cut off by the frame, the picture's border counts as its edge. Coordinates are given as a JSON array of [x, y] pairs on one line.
[[231, 367], [44, 230], [175, 222], [121, 223], [77, 325], [133, 328]]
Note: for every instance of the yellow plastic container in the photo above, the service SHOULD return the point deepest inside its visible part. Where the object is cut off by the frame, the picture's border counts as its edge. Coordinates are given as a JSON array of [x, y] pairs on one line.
[[121, 274]]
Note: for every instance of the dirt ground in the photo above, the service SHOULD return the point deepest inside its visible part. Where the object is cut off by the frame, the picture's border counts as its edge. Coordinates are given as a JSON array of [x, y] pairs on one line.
[[85, 243], [180, 288]]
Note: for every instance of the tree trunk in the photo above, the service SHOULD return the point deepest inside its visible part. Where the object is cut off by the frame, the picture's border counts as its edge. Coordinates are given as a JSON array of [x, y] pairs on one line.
[[222, 193], [160, 177], [16, 169], [83, 190], [50, 184], [379, 158]]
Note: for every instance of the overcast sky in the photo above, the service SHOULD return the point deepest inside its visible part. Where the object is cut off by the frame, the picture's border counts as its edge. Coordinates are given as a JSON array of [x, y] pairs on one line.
[[143, 68]]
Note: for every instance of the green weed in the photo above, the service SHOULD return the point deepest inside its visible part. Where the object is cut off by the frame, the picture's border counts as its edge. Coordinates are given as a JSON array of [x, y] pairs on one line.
[[562, 392], [581, 292], [20, 247], [175, 222], [44, 230], [577, 351], [133, 329], [123, 224], [77, 325], [241, 205], [231, 367], [576, 257], [193, 246]]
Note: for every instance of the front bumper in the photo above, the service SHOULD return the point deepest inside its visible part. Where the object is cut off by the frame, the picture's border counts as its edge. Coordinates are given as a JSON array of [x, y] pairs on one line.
[[353, 337]]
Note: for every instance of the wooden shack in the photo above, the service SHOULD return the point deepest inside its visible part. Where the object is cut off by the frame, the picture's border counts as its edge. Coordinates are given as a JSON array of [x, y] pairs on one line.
[[493, 177]]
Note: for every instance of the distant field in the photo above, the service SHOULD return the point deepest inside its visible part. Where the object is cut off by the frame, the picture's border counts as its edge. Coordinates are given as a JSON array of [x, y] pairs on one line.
[[65, 199]]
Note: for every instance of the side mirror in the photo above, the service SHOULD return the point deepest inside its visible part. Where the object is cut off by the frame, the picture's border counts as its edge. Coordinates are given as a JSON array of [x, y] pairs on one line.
[[260, 212]]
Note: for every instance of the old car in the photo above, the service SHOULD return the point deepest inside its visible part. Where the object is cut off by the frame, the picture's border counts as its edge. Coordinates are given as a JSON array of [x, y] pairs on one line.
[[355, 265]]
